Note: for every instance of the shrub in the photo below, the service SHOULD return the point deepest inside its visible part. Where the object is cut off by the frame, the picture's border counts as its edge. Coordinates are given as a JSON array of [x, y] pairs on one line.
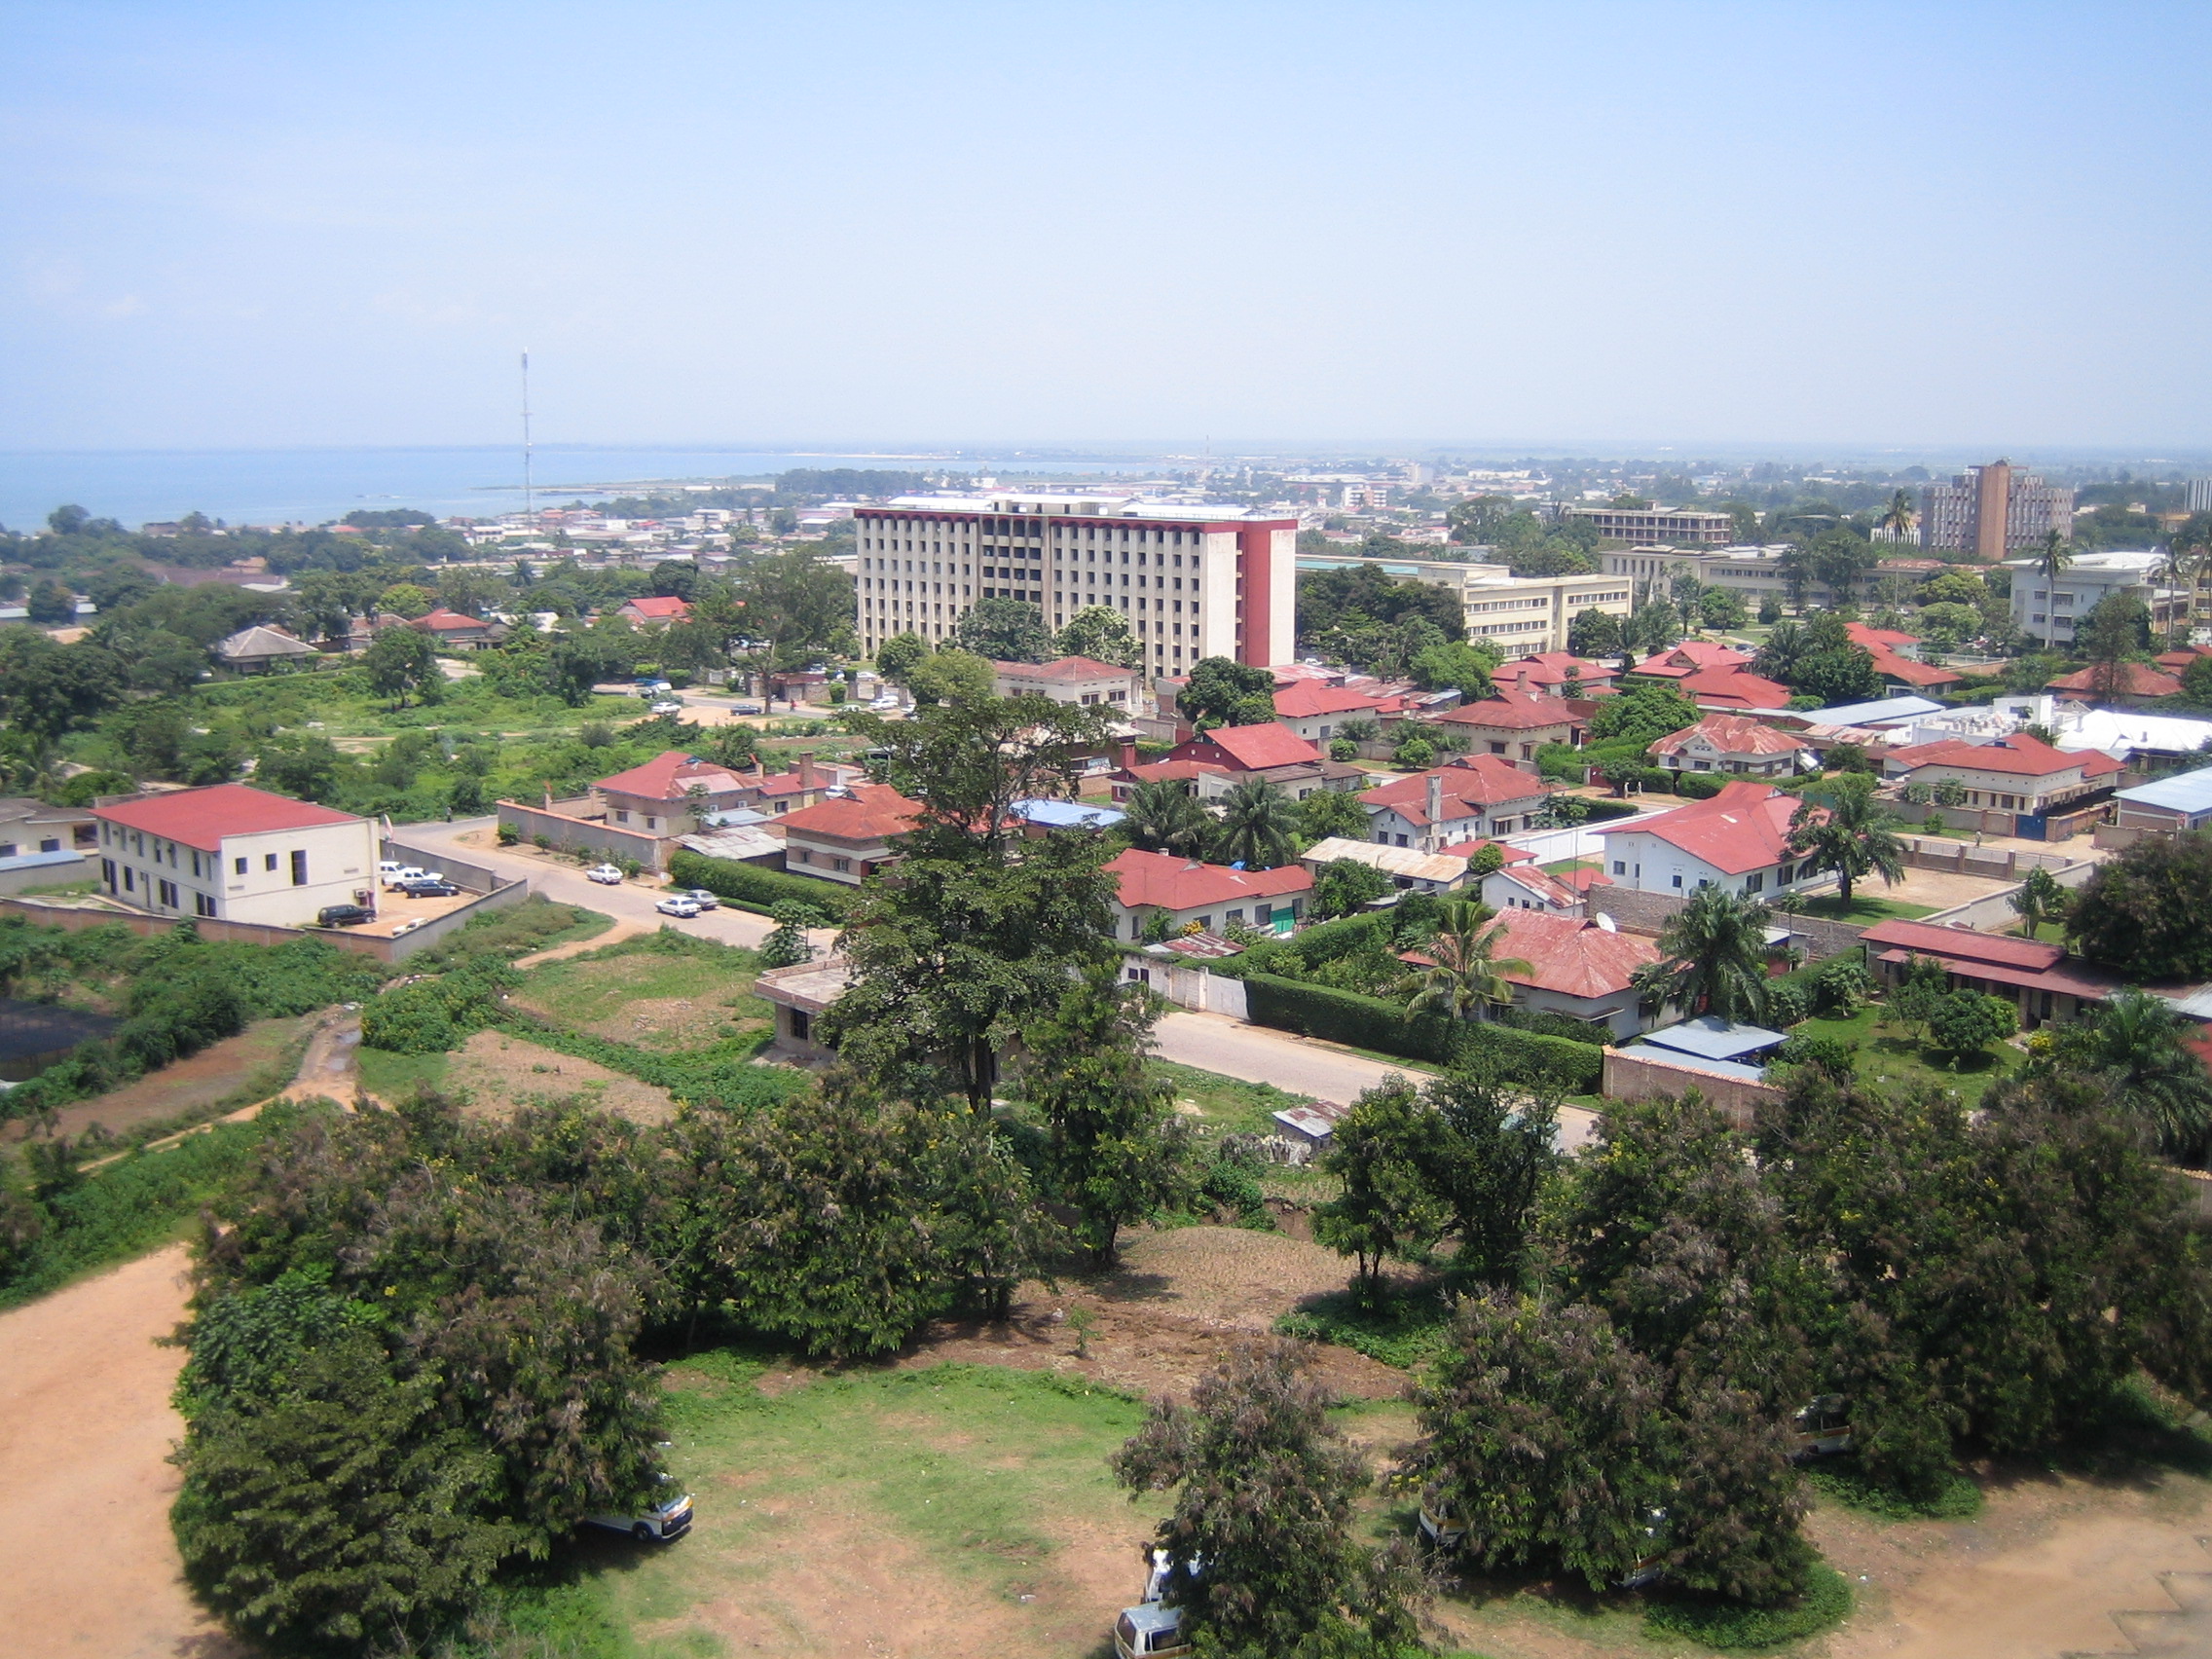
[[751, 886], [1698, 786], [1541, 1063], [1554, 1025], [1719, 1623]]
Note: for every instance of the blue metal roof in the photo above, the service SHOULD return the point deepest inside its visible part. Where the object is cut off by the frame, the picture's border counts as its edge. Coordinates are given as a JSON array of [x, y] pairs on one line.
[[2187, 791], [1697, 1064], [38, 860], [1712, 1038], [1878, 713], [1068, 814]]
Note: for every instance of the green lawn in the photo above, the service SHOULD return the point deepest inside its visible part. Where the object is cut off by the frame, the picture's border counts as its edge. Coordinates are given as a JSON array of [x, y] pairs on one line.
[[394, 1077], [1565, 866], [594, 991], [1890, 1055], [1226, 1105], [1865, 908]]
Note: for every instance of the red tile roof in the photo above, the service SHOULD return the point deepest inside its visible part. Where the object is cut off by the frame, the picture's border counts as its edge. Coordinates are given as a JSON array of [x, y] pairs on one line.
[[1551, 669], [2175, 662], [1310, 697], [1963, 943], [1689, 658], [1167, 881], [1548, 888], [1069, 668], [1731, 735], [201, 818], [448, 622], [657, 609], [670, 775], [1571, 955], [1745, 827], [1181, 771], [2136, 679], [1730, 687], [2016, 755], [1891, 666], [871, 812], [1471, 784], [1861, 634], [1248, 749], [1514, 710]]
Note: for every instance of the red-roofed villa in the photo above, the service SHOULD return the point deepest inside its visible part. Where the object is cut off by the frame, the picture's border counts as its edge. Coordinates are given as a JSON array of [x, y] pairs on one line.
[[234, 853]]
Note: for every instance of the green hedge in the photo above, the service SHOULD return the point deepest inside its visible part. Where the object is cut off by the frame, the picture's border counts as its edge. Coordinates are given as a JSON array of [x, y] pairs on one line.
[[1528, 1057], [753, 888]]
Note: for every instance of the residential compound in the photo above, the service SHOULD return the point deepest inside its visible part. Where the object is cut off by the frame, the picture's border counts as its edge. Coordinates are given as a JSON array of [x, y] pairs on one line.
[[1992, 511], [1194, 581], [1523, 614], [233, 852]]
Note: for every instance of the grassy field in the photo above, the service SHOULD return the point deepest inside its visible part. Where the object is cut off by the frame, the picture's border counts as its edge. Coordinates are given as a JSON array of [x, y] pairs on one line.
[[1224, 1104], [1890, 1054], [1865, 908], [632, 993]]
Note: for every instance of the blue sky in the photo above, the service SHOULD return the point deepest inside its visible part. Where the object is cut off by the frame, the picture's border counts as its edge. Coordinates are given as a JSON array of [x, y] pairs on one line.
[[236, 224]]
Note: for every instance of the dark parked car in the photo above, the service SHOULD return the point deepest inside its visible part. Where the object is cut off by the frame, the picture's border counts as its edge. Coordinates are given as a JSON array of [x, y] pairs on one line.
[[343, 916], [428, 889]]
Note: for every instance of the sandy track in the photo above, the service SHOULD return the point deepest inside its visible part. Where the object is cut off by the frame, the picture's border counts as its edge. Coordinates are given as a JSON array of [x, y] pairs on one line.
[[85, 1426]]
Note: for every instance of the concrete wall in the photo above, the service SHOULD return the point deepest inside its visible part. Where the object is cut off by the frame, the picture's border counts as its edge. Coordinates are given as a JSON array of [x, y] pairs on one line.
[[1997, 864], [470, 877], [586, 834], [1993, 912], [1817, 936], [499, 898], [62, 867], [1186, 986], [1632, 1078]]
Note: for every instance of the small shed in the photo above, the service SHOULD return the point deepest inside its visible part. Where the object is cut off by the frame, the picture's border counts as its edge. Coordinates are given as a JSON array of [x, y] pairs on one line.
[[1309, 1126], [258, 648], [1709, 1037]]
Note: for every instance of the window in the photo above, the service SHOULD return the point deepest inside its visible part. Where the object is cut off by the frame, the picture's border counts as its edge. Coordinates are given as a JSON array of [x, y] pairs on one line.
[[841, 865], [241, 866], [166, 892], [130, 879], [201, 904], [1755, 883], [801, 1024], [1236, 916], [299, 868], [267, 860], [1620, 867], [805, 855], [1263, 915], [1207, 923], [621, 815], [1678, 881], [107, 873]]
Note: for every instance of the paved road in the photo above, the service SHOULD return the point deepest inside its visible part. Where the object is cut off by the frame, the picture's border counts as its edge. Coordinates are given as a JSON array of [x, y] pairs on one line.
[[565, 883], [1256, 1054]]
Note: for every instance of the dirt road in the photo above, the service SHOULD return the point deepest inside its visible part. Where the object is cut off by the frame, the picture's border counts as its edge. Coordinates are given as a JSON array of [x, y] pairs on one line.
[[85, 1426]]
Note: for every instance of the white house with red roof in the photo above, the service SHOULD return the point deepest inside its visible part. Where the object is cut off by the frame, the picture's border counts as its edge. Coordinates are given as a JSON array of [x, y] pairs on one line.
[[1476, 798], [1208, 896], [455, 632], [2017, 773], [1079, 681], [1677, 663], [1556, 674], [1316, 712], [2041, 980], [234, 853], [1515, 723], [1272, 752], [1730, 743], [1733, 689], [2129, 680], [1579, 968], [846, 836], [1739, 840], [654, 612]]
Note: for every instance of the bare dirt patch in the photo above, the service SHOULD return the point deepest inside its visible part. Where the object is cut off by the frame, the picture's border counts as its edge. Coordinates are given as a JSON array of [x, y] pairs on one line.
[[85, 1426], [499, 1074], [217, 1072]]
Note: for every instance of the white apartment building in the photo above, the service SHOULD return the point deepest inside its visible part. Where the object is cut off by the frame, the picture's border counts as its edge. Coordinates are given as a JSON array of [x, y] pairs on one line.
[[1524, 615], [233, 852], [1194, 581], [2047, 609], [1680, 524]]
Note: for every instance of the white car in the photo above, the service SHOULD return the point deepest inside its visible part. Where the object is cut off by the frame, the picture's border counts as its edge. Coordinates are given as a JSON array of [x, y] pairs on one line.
[[678, 905], [607, 875], [662, 1524], [884, 702], [666, 706], [393, 875]]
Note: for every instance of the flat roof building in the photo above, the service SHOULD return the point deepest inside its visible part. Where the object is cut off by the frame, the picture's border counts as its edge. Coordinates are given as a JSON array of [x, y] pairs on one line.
[[1685, 525], [1525, 615], [1993, 511]]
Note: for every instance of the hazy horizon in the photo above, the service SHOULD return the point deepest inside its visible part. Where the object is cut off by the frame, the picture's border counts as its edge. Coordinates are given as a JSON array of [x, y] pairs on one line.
[[1959, 230]]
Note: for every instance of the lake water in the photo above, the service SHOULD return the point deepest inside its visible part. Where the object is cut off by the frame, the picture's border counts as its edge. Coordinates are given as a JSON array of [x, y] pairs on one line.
[[314, 486]]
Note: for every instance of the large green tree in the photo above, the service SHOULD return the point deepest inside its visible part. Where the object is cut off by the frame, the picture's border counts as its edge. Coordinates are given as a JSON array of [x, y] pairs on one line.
[[1163, 815], [1713, 957], [1003, 630], [2147, 909], [401, 662], [1850, 831], [1387, 1210], [1101, 632], [1224, 692], [1258, 828], [1463, 976]]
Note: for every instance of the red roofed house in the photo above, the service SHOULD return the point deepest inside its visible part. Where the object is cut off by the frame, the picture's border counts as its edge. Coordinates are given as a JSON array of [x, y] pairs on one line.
[[1126, 776], [1896, 658], [844, 837], [1729, 743], [1081, 681], [1691, 657], [2133, 680], [1732, 689], [1577, 968], [2179, 660], [455, 632], [1882, 639], [2017, 773], [1515, 723], [1556, 674], [235, 854], [1314, 711], [656, 796], [1272, 752], [2040, 979], [654, 612], [1476, 798], [1211, 895], [1739, 840]]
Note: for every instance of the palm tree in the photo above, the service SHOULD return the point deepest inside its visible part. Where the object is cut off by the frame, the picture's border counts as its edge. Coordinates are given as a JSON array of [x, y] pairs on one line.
[[1855, 834], [1786, 648], [1165, 817], [2136, 1041], [1897, 517], [1257, 824], [1464, 976], [2051, 564], [2040, 900], [1713, 957]]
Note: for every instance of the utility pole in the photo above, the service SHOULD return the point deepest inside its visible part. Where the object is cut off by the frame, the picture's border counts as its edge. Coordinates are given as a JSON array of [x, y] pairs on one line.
[[529, 495]]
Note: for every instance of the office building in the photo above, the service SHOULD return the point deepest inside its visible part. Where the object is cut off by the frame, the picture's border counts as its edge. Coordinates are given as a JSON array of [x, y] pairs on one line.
[[1756, 574], [1993, 511], [2047, 610], [233, 852], [1525, 615], [1194, 581], [1682, 526]]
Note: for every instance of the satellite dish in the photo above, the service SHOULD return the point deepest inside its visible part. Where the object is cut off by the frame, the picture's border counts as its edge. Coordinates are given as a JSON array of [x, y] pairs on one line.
[[1606, 922]]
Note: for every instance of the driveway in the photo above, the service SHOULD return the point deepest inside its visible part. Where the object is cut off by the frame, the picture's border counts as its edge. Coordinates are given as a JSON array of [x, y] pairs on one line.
[[470, 840], [1257, 1053]]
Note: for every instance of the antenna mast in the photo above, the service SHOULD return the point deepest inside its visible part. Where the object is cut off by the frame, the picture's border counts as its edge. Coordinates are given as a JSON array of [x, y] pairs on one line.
[[529, 495]]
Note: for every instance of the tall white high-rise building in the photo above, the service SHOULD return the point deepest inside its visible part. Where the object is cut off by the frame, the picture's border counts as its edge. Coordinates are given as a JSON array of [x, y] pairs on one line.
[[1192, 581], [2200, 494]]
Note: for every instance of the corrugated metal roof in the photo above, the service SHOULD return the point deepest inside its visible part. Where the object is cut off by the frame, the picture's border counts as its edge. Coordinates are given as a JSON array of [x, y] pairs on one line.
[[1885, 709], [38, 860], [2189, 791], [1709, 1037], [1696, 1063], [1068, 814]]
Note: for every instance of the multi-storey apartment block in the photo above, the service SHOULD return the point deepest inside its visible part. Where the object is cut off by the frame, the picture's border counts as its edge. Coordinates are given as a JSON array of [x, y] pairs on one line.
[[1681, 526], [1993, 511], [1194, 581]]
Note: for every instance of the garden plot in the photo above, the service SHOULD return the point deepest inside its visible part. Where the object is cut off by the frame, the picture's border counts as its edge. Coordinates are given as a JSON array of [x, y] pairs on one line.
[[667, 1004], [500, 1073]]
